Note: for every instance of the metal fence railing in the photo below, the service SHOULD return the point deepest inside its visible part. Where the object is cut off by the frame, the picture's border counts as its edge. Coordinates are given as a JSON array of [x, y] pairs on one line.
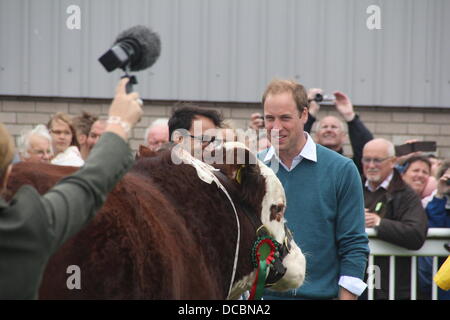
[[433, 246]]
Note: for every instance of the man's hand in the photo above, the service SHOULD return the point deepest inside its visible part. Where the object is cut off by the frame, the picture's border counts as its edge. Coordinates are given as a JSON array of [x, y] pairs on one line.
[[125, 110], [344, 294], [256, 121], [442, 187], [372, 219], [344, 106], [314, 107]]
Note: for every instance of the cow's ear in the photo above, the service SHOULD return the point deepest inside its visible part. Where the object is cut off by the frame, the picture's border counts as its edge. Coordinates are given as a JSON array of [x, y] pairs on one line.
[[230, 170], [238, 175], [253, 185]]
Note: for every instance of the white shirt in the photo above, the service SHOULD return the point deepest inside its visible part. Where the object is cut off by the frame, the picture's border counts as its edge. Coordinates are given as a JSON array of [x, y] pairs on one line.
[[309, 151], [70, 157], [427, 199], [384, 184]]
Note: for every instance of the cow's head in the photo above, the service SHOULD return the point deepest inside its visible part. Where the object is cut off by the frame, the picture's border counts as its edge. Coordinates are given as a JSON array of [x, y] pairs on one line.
[[248, 171]]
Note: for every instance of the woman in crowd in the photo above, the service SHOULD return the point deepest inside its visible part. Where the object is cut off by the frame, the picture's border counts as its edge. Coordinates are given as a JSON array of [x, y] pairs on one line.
[[65, 144], [438, 213], [417, 173]]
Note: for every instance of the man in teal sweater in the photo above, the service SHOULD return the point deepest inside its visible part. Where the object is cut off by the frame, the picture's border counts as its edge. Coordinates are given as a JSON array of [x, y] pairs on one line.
[[325, 203]]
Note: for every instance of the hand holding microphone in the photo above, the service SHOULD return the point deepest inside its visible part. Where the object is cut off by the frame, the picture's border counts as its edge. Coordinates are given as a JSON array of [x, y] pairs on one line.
[[136, 48], [125, 110]]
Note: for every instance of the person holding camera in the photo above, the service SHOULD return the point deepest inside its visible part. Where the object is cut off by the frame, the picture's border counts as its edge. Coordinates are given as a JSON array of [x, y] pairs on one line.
[[331, 130], [438, 209], [33, 227], [438, 213]]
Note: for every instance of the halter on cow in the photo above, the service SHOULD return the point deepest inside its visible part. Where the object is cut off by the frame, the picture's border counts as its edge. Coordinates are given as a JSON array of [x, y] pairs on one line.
[[288, 268], [165, 234]]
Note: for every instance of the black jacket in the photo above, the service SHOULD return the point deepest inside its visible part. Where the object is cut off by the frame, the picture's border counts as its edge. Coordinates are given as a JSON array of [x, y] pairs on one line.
[[358, 133], [404, 224]]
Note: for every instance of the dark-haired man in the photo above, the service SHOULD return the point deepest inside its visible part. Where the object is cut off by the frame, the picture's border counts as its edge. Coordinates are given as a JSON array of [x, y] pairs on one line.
[[194, 128]]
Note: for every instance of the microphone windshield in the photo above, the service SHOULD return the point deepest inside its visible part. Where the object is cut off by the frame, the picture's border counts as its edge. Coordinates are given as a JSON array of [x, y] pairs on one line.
[[144, 44]]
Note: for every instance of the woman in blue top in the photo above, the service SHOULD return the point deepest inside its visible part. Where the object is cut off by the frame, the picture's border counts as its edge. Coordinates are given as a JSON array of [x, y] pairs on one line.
[[438, 212]]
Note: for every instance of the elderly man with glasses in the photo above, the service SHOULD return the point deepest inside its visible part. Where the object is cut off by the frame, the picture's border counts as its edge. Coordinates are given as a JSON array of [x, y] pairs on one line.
[[394, 210]]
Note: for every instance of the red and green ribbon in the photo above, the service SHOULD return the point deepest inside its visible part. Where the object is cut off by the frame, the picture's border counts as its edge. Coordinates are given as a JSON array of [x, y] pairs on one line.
[[263, 256]]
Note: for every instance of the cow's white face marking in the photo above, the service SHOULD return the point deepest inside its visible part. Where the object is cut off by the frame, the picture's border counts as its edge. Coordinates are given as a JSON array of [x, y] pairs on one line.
[[294, 262], [274, 196]]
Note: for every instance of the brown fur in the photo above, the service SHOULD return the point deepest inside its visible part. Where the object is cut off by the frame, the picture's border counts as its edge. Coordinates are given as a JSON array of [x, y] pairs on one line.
[[162, 234]]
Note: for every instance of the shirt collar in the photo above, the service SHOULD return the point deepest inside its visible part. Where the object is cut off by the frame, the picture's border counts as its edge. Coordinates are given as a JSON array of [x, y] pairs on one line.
[[384, 184], [309, 151]]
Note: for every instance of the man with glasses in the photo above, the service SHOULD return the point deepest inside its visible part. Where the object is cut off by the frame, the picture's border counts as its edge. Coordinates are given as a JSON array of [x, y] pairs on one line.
[[194, 128], [394, 210], [157, 134]]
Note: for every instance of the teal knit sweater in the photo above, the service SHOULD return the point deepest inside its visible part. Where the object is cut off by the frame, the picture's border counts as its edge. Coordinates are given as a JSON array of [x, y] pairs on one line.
[[325, 211]]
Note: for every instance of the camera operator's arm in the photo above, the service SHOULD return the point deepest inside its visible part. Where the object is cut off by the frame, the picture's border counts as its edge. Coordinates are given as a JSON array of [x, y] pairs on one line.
[[34, 226], [74, 200], [314, 108], [358, 133]]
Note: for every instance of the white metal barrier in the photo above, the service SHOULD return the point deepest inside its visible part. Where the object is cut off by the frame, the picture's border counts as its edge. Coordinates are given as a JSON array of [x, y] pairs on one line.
[[433, 246]]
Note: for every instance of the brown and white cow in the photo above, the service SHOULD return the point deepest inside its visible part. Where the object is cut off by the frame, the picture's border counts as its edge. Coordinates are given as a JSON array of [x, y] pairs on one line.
[[164, 233]]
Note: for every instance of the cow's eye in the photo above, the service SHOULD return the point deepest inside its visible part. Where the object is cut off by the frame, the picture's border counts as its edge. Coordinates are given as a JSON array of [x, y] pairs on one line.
[[276, 208], [275, 211]]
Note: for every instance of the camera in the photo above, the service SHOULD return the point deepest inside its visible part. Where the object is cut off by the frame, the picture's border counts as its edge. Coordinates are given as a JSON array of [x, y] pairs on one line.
[[407, 148], [325, 98]]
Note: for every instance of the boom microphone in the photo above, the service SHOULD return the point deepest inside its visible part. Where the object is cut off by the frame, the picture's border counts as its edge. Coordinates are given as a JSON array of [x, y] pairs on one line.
[[136, 48]]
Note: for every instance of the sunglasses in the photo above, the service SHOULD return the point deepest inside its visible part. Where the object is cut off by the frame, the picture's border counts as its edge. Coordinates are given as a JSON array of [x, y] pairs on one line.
[[376, 161], [206, 140]]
